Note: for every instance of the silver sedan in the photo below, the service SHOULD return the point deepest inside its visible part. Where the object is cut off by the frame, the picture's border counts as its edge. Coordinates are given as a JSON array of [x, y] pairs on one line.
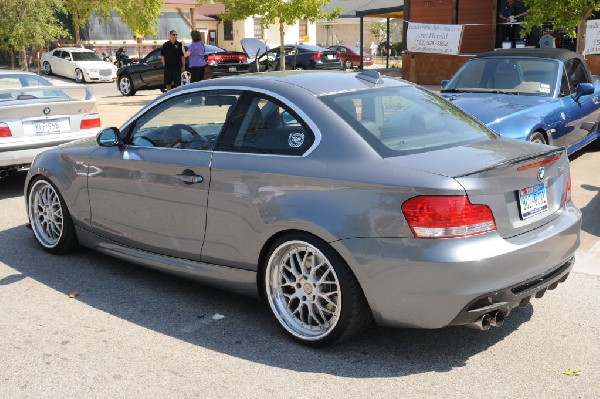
[[339, 198]]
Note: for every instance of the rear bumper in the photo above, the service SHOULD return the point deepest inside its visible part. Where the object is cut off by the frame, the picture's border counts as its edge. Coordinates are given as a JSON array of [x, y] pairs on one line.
[[435, 283], [21, 152]]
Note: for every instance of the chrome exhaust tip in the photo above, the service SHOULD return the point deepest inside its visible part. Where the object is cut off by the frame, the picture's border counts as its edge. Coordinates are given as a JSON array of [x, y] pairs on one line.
[[482, 323], [498, 319]]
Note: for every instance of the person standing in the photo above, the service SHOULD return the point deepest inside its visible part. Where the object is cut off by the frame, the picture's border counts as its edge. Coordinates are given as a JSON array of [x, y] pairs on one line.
[[373, 48], [196, 53], [172, 57], [509, 15]]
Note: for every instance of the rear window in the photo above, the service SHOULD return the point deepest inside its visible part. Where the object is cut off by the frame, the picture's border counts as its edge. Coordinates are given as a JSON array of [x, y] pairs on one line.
[[405, 120]]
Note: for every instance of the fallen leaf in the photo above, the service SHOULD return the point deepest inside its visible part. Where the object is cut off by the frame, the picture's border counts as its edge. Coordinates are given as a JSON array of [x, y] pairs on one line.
[[571, 372], [218, 316], [73, 294]]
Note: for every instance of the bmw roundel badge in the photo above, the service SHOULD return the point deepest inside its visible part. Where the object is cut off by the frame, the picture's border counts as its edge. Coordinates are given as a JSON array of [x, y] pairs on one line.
[[46, 110], [541, 174]]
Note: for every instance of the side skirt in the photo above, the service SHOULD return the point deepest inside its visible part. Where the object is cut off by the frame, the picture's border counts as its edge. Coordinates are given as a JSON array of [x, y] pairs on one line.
[[227, 278]]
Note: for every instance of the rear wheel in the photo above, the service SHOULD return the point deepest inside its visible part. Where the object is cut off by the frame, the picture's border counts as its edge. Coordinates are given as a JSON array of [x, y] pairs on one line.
[[538, 137], [79, 78], [126, 85], [47, 68], [312, 293], [348, 64], [49, 217]]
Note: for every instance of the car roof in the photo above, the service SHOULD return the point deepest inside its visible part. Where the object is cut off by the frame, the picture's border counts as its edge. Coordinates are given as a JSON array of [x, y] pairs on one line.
[[316, 82], [555, 53]]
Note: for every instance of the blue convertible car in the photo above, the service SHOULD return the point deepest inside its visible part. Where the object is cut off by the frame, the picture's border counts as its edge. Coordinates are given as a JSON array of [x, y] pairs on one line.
[[540, 95]]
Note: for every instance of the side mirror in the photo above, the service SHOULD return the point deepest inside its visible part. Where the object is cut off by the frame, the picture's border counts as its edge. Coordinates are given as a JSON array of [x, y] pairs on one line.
[[109, 137], [583, 89], [445, 83]]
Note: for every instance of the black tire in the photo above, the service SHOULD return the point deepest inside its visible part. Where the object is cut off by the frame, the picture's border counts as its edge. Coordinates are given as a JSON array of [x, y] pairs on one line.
[[79, 78], [50, 219], [537, 137], [125, 85], [348, 65], [325, 304], [47, 68]]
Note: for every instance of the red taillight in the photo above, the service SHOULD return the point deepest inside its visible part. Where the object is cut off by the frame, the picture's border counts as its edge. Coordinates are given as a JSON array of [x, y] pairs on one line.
[[5, 130], [317, 55], [540, 163], [89, 123], [446, 217], [568, 190], [242, 57]]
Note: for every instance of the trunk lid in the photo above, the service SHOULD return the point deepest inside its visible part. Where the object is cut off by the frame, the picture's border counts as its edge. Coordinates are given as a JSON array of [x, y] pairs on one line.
[[522, 183]]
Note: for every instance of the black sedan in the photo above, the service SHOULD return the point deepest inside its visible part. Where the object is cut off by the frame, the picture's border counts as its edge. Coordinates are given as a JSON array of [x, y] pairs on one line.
[[302, 56], [148, 73]]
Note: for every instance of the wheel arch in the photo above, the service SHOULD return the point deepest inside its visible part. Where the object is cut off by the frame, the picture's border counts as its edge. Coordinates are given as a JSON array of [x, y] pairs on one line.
[[541, 131]]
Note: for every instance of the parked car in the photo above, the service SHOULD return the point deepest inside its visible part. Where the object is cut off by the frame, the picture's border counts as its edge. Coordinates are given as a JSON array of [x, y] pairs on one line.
[[337, 197], [541, 95], [148, 74], [350, 56], [77, 63], [35, 115], [303, 56]]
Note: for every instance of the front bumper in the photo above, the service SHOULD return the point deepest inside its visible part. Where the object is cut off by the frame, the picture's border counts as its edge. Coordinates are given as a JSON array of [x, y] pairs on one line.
[[433, 283]]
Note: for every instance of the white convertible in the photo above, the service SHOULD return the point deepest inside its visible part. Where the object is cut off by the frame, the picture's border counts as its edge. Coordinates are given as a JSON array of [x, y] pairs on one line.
[[80, 64]]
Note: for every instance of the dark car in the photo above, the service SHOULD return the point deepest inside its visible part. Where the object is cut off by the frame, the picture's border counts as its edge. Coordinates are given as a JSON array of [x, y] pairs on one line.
[[303, 56], [350, 56], [148, 73]]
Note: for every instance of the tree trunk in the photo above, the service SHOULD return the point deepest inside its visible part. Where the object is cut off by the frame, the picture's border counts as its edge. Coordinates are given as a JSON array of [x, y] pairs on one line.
[[23, 63], [581, 28], [281, 47], [76, 27]]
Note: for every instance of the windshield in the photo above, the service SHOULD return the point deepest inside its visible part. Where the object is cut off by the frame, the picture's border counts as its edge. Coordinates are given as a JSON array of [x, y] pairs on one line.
[[85, 56], [529, 76], [404, 120]]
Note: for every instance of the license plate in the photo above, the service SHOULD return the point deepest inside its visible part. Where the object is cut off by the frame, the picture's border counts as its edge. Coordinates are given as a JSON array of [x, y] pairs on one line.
[[532, 200], [46, 127], [330, 57], [232, 69]]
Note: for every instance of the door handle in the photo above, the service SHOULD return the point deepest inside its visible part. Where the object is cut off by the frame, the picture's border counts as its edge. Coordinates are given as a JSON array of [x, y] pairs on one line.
[[190, 178]]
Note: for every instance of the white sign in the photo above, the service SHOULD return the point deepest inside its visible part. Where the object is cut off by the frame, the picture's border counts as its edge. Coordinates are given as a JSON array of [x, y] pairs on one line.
[[434, 38], [592, 37]]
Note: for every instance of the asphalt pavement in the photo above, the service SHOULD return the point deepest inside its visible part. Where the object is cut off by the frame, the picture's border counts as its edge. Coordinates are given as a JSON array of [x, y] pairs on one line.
[[87, 325]]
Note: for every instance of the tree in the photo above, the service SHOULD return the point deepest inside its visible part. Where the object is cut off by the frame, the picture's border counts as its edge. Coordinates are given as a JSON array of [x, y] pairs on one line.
[[81, 11], [140, 16], [566, 14], [379, 30], [29, 23], [283, 12]]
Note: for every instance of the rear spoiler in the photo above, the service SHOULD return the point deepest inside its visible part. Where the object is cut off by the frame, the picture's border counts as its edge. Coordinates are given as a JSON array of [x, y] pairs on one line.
[[552, 152]]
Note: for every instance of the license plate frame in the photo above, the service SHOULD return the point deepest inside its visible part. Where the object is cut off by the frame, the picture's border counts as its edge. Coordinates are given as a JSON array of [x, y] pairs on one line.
[[46, 127], [533, 200]]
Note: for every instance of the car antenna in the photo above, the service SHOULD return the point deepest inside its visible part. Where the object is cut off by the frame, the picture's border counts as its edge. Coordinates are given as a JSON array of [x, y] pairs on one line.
[[370, 76]]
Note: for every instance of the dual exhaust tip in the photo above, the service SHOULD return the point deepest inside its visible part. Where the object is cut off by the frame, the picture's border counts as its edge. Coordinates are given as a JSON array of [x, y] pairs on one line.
[[492, 319]]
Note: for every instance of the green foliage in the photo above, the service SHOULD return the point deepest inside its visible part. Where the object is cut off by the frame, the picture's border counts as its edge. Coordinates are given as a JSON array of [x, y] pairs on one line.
[[140, 16], [566, 14], [29, 23], [379, 30]]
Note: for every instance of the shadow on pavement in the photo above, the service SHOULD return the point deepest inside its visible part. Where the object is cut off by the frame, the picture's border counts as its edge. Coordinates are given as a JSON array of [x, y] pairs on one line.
[[12, 186], [184, 310]]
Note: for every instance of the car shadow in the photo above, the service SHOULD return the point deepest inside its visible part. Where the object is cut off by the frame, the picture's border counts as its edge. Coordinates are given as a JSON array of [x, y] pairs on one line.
[[12, 186], [235, 325], [590, 220]]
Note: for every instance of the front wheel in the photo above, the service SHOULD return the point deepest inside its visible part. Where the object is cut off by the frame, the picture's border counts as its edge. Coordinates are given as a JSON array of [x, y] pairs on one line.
[[47, 68], [49, 217], [537, 137], [79, 78], [312, 293], [125, 85]]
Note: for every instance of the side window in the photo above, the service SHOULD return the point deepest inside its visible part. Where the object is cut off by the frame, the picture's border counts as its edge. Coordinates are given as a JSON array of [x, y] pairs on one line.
[[263, 125], [577, 74], [565, 89], [154, 58], [191, 121], [57, 53], [65, 54]]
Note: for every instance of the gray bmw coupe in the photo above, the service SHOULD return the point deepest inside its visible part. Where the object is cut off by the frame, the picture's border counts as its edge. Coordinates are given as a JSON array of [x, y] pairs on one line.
[[339, 198]]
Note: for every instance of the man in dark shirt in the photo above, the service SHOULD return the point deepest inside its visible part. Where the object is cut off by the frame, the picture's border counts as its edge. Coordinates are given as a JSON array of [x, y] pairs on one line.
[[173, 60], [509, 17]]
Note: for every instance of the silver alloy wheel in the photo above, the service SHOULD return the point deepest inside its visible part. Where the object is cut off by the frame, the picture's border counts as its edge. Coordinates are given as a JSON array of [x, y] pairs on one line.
[[79, 76], [47, 68], [303, 290], [45, 214], [125, 85], [186, 78], [348, 64]]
